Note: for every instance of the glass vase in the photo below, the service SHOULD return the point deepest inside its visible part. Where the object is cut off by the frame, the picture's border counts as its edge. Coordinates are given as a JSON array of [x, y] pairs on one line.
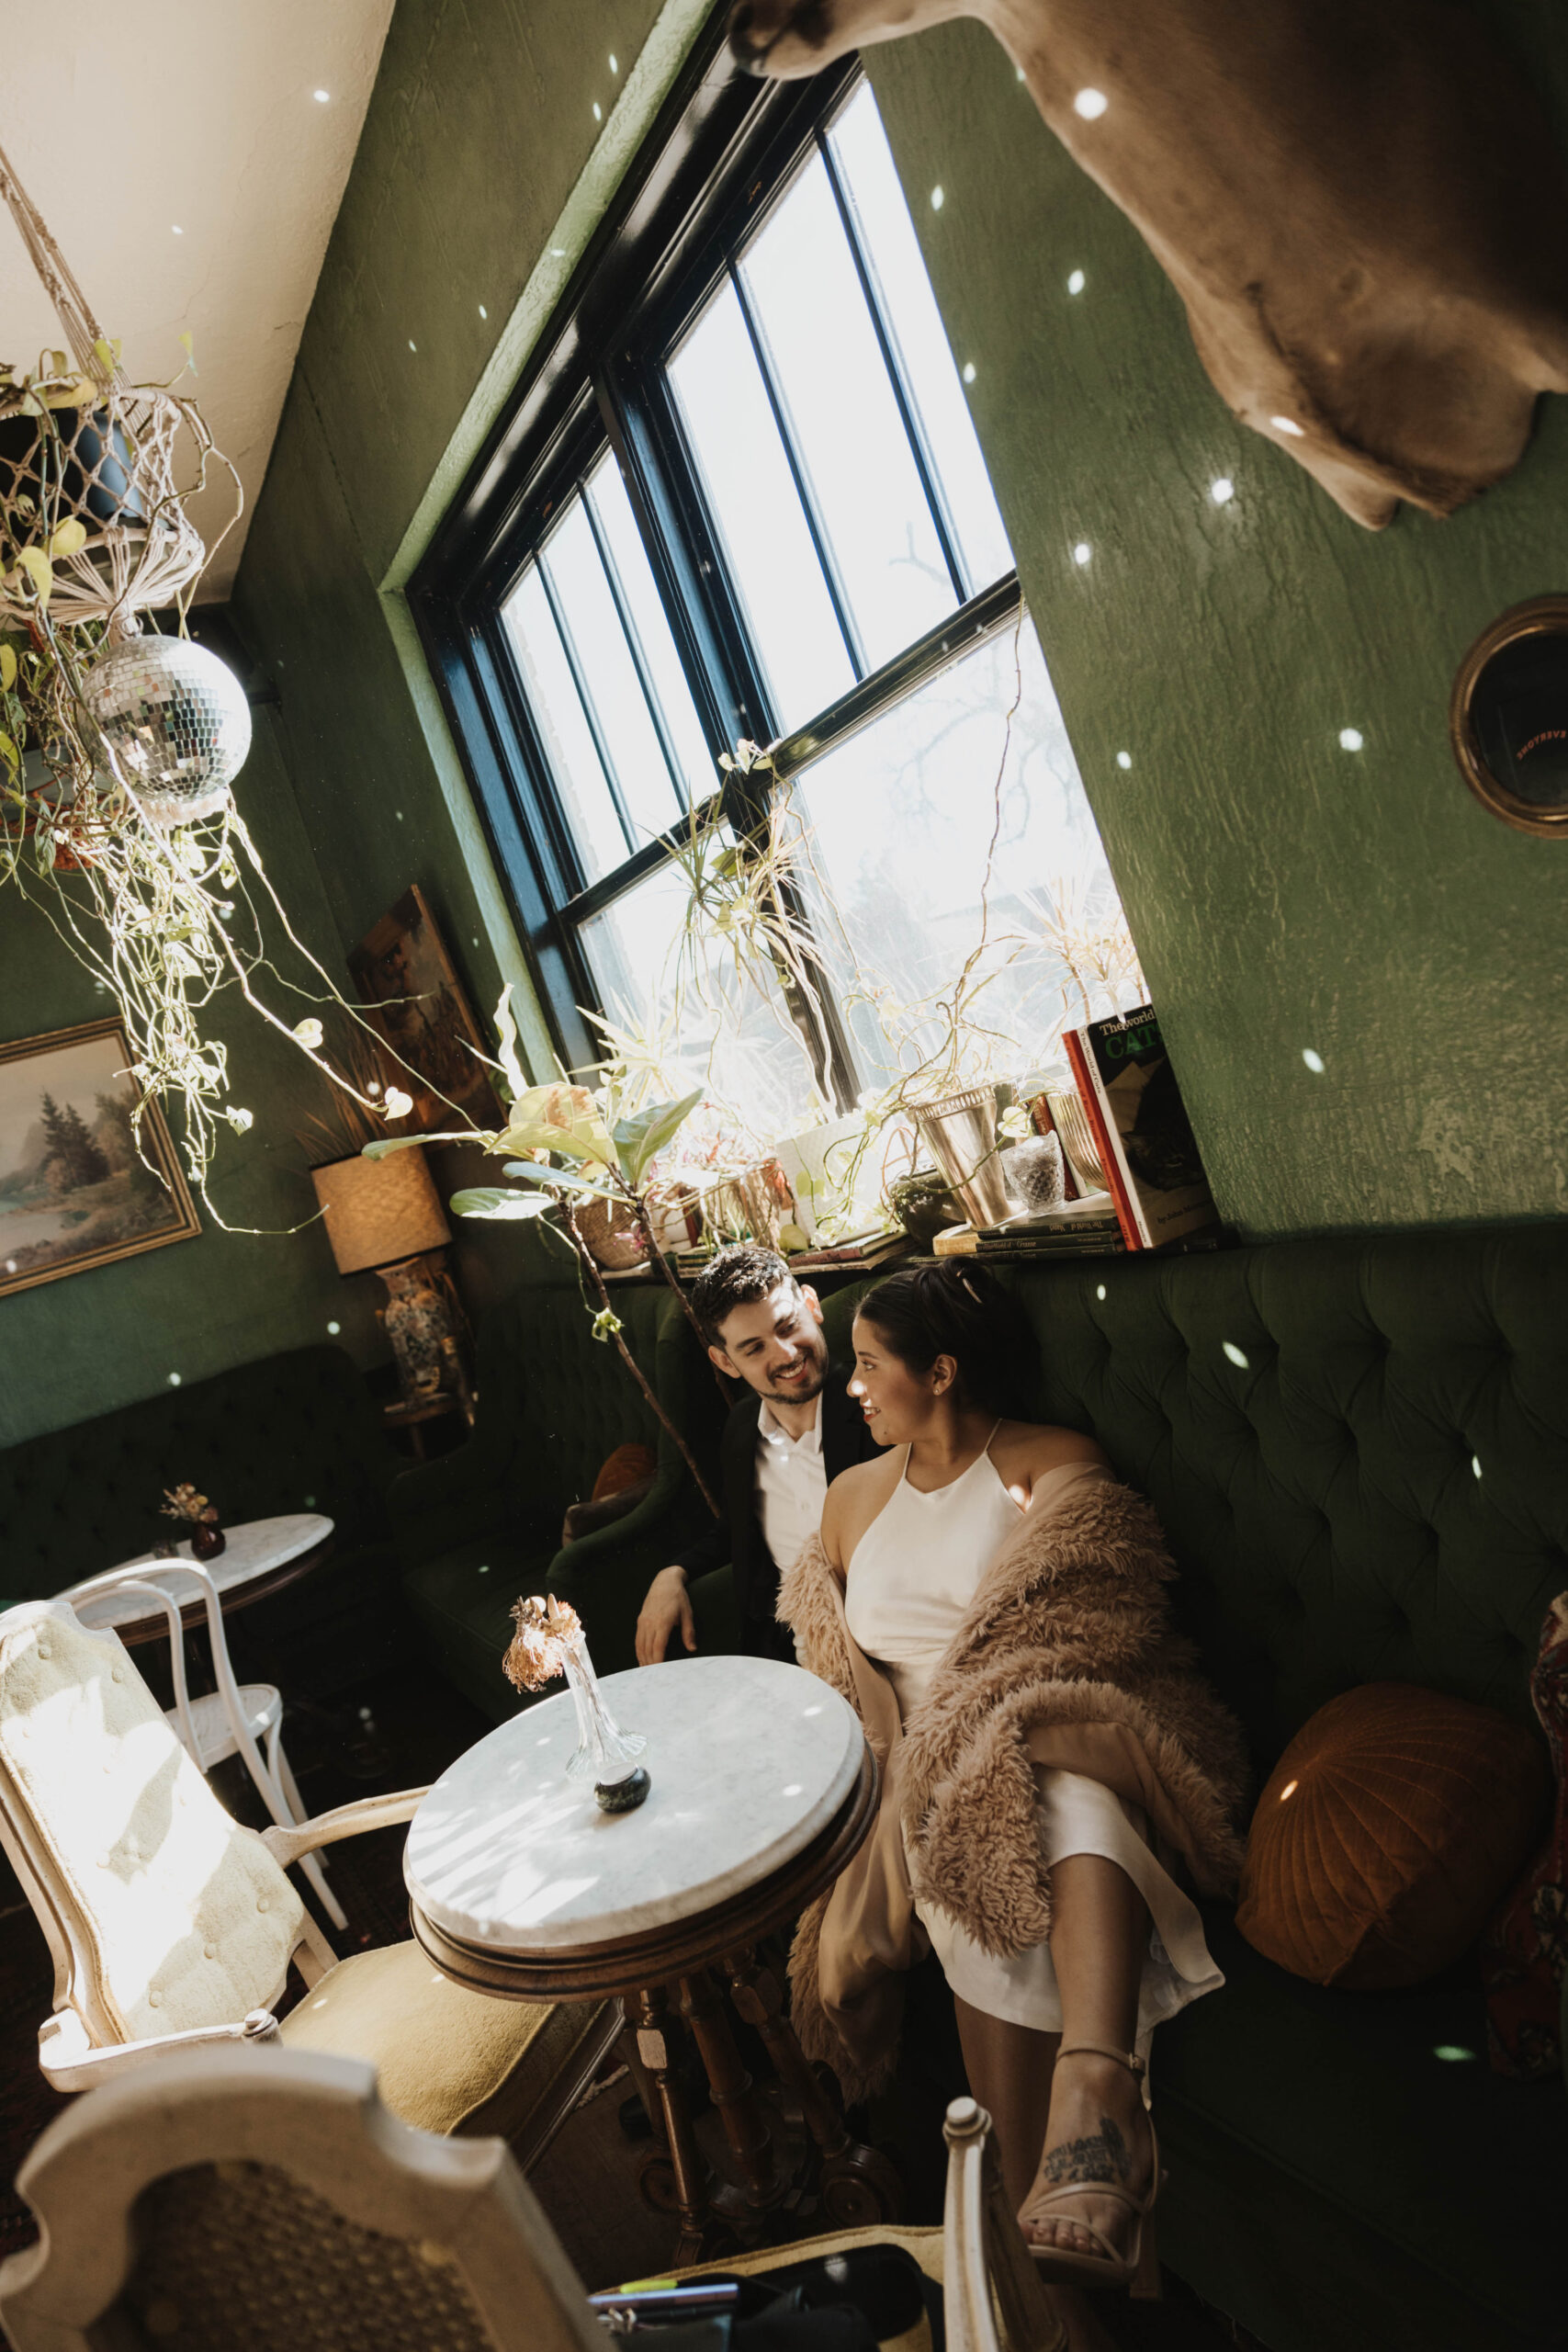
[[605, 1755]]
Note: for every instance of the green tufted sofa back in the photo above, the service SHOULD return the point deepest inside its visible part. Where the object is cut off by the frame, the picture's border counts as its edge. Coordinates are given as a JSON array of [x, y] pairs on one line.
[[554, 1403], [1307, 1419], [290, 1432]]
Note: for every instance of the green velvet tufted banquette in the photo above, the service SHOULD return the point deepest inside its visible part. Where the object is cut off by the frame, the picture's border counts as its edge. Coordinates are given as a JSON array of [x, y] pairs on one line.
[[1309, 1418], [295, 1431], [479, 1527], [1358, 1450]]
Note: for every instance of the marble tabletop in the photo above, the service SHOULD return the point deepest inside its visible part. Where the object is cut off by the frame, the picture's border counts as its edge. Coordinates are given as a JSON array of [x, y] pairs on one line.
[[750, 1759], [254, 1548]]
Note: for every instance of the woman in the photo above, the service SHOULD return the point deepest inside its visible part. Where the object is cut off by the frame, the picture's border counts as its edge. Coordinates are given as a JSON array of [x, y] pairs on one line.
[[994, 1604]]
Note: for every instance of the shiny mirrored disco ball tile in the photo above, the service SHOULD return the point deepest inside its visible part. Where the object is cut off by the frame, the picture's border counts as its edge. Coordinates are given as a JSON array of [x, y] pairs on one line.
[[177, 720]]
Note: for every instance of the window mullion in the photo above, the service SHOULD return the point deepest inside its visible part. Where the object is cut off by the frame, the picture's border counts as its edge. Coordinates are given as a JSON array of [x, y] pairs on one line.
[[814, 521], [639, 658], [677, 538], [590, 714], [919, 448]]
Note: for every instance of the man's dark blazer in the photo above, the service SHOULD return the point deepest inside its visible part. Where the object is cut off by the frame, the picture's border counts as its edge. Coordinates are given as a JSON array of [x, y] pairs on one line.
[[740, 1540]]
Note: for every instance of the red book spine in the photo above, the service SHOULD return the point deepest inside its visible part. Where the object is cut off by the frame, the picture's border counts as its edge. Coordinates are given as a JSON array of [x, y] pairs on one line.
[[1077, 1061]]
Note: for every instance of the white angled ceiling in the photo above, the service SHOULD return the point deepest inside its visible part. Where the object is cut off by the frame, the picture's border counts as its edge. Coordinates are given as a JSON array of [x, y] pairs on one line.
[[125, 124]]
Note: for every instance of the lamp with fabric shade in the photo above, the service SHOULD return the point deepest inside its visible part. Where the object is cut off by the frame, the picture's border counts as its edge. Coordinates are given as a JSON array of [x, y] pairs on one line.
[[377, 1211], [383, 1216]]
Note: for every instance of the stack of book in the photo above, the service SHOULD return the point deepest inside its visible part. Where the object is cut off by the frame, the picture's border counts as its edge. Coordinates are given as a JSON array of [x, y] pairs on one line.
[[1143, 1136], [1085, 1228], [868, 1248]]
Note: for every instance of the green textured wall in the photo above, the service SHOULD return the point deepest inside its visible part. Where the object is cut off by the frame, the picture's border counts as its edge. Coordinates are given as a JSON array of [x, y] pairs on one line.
[[1285, 894], [90, 1341], [480, 153], [480, 142]]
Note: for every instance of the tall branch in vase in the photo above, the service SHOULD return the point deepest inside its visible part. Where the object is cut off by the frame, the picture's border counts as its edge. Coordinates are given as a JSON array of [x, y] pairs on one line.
[[606, 1157]]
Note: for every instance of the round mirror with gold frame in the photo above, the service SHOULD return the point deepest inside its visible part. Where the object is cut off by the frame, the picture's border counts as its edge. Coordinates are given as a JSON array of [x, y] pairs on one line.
[[1508, 717]]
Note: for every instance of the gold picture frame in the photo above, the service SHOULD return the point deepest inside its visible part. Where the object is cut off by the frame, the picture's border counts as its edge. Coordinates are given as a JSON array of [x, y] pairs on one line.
[[73, 1191], [1510, 708], [409, 989]]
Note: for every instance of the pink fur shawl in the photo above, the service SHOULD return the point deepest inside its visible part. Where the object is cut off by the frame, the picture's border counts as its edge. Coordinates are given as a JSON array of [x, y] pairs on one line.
[[1066, 1658]]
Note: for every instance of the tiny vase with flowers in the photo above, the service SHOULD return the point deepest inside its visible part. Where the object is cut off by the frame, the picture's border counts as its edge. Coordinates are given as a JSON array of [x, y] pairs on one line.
[[549, 1640], [207, 1538]]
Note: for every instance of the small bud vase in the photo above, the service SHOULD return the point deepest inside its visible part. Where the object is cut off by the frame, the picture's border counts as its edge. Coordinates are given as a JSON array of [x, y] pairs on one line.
[[605, 1755], [549, 1640]]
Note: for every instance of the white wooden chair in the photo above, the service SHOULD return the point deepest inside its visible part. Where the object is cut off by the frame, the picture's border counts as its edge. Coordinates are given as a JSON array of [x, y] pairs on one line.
[[270, 2198], [234, 1720], [170, 1924]]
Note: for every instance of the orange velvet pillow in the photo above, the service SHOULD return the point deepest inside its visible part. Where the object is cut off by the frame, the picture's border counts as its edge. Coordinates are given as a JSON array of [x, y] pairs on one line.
[[1390, 1829], [629, 1466]]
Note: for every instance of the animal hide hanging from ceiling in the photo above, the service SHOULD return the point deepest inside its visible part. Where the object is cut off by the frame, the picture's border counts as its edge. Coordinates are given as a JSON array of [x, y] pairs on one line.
[[1362, 208]]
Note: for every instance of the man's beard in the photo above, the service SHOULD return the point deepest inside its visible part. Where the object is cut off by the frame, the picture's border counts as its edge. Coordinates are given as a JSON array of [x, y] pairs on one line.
[[803, 1393]]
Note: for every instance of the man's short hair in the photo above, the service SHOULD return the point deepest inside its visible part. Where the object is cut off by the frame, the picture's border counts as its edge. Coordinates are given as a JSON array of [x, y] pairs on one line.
[[738, 1277]]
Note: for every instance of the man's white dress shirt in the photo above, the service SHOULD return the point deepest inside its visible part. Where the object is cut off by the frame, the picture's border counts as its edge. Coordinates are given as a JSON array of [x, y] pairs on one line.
[[791, 1486]]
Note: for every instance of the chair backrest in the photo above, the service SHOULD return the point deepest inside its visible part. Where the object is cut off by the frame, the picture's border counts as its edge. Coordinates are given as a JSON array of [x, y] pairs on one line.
[[163, 1913], [266, 2199]]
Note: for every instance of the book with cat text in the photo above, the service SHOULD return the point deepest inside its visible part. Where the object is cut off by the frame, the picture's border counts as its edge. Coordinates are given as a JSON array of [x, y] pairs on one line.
[[1148, 1152]]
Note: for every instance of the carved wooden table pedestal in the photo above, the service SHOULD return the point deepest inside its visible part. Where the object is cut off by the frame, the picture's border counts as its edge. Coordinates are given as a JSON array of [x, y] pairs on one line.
[[762, 1788]]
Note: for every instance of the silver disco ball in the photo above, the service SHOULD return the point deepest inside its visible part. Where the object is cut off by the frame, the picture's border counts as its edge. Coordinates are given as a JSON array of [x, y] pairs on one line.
[[176, 719]]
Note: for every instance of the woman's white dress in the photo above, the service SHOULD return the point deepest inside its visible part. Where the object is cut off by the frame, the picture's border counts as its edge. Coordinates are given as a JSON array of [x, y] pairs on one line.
[[910, 1582]]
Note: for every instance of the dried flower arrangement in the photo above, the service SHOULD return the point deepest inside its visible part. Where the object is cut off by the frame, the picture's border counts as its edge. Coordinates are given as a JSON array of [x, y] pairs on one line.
[[537, 1650], [183, 1502]]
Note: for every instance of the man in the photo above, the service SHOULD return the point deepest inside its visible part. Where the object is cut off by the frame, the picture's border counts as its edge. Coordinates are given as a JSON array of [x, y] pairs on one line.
[[781, 1447]]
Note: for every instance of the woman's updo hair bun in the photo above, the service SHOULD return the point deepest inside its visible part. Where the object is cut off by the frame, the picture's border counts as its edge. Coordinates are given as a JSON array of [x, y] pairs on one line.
[[959, 1309]]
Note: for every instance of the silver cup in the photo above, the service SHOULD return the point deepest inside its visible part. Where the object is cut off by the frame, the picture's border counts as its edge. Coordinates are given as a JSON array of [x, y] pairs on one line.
[[961, 1131]]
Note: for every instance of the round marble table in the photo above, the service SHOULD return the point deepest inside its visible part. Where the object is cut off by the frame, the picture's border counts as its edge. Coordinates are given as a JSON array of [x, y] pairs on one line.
[[519, 1886], [260, 1557]]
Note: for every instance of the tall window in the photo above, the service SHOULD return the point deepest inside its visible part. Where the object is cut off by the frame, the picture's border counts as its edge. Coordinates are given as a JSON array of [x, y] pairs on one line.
[[743, 497]]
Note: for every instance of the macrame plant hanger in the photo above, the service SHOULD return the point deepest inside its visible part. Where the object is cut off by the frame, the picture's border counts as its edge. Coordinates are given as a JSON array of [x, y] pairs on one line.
[[103, 457]]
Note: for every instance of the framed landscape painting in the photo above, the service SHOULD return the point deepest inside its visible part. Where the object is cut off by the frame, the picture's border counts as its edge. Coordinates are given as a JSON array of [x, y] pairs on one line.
[[73, 1190], [410, 992]]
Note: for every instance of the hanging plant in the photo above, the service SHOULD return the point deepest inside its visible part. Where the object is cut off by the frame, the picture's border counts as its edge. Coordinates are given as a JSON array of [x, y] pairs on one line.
[[118, 746]]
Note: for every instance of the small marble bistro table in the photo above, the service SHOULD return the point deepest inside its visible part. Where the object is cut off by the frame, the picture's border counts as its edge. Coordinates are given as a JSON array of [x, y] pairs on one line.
[[260, 1557], [763, 1788]]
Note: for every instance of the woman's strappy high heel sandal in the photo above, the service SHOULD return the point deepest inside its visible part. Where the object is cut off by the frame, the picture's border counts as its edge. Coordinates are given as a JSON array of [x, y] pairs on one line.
[[1137, 2270]]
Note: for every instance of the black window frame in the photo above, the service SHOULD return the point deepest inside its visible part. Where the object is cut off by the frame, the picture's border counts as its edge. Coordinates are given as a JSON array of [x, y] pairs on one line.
[[723, 150]]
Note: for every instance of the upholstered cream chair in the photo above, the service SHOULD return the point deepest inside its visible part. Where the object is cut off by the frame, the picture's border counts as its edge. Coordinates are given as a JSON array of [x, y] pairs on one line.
[[169, 1923], [238, 2197], [234, 1720]]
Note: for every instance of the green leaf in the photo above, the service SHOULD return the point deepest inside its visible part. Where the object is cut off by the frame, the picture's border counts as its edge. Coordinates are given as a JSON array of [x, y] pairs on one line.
[[529, 1171], [491, 1201], [639, 1137], [39, 571], [529, 1129], [506, 1029], [384, 1144], [8, 668], [9, 754]]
